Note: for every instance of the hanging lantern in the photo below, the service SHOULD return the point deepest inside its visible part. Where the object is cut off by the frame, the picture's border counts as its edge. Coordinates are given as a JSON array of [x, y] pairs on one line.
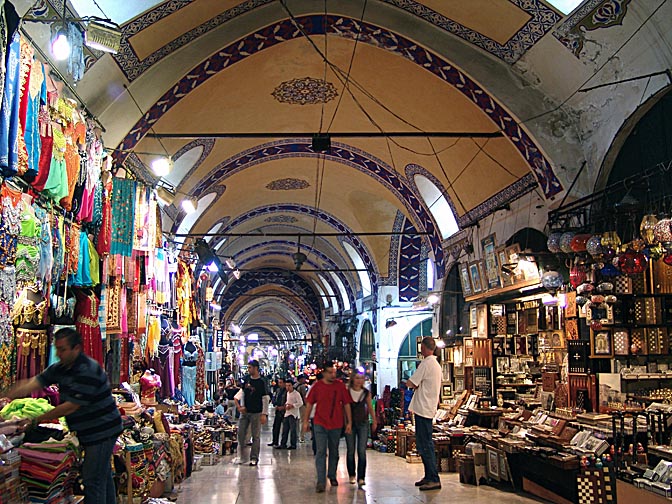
[[667, 259], [552, 280], [610, 239], [609, 271], [646, 228], [577, 275], [663, 232], [578, 243], [553, 242], [585, 288], [611, 299], [581, 300], [594, 246], [566, 242], [631, 262]]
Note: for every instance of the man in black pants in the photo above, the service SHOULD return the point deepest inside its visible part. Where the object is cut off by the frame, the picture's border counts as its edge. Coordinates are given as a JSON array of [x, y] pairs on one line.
[[279, 399]]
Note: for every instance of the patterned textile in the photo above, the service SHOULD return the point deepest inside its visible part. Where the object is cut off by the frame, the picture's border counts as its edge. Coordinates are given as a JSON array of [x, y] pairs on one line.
[[200, 376], [114, 292], [123, 216]]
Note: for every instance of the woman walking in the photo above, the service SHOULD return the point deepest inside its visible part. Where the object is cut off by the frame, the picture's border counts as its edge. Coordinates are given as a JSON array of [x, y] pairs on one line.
[[362, 407]]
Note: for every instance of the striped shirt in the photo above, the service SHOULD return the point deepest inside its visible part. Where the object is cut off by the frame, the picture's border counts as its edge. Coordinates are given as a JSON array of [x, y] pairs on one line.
[[86, 384]]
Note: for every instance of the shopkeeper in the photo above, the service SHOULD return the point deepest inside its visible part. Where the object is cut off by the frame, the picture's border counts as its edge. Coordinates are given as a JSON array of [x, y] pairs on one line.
[[88, 408]]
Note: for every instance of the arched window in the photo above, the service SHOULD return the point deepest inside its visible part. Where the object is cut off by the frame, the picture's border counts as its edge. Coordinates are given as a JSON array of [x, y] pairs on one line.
[[430, 274], [341, 288], [438, 206], [333, 300], [408, 351], [325, 299], [367, 342], [359, 264]]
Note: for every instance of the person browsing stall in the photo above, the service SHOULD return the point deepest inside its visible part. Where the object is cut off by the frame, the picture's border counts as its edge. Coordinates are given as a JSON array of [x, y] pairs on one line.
[[256, 398], [292, 405], [88, 407]]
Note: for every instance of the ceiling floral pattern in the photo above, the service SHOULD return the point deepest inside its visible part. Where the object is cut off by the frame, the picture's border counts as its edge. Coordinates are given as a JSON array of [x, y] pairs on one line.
[[288, 184], [305, 91]]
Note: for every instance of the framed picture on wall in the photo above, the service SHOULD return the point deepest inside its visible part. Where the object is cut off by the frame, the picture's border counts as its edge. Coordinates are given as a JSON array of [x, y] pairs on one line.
[[505, 268], [418, 344], [513, 259], [475, 275], [473, 318], [466, 281], [491, 262], [482, 320], [493, 463], [484, 277], [601, 344]]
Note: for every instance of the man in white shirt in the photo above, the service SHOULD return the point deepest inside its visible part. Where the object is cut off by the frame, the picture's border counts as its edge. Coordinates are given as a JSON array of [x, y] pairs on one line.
[[427, 384], [292, 405]]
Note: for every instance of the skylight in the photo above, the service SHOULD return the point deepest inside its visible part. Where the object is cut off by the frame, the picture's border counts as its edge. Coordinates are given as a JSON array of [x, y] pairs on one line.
[[359, 264], [438, 206], [565, 6], [119, 12]]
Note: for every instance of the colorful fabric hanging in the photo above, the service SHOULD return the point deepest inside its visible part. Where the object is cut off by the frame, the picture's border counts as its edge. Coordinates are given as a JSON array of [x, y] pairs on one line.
[[123, 216]]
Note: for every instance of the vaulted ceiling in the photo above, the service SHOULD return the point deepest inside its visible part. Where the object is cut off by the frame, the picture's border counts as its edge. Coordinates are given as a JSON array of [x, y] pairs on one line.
[[194, 76]]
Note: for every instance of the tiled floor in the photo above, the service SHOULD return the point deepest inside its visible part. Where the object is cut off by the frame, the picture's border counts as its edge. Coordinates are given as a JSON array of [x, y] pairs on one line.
[[288, 477]]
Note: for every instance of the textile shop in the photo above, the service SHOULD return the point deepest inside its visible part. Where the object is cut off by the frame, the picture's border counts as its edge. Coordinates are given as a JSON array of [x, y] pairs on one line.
[[83, 247]]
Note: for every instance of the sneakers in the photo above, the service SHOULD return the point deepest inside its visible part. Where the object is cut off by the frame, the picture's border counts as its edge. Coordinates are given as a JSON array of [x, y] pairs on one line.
[[239, 461], [255, 462], [319, 488], [421, 482], [333, 482], [271, 444], [360, 483], [353, 480], [431, 485]]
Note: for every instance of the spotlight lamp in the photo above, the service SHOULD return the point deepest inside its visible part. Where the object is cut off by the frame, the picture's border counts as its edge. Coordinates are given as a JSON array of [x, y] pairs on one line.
[[162, 166], [165, 196], [60, 45], [390, 323], [189, 204]]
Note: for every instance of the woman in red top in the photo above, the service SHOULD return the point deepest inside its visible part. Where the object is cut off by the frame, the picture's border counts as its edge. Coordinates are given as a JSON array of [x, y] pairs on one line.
[[331, 401]]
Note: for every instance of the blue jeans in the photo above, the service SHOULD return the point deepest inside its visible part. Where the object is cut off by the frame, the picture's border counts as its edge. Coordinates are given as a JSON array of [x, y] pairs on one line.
[[425, 446], [357, 440], [326, 438], [249, 421], [97, 473]]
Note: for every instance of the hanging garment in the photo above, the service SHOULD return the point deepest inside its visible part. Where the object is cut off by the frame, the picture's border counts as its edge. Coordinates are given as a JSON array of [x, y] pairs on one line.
[[86, 323], [9, 114], [83, 275], [45, 245], [123, 216], [46, 138], [105, 235], [27, 250], [200, 376], [189, 384], [26, 58], [10, 224], [164, 357], [31, 358], [37, 99]]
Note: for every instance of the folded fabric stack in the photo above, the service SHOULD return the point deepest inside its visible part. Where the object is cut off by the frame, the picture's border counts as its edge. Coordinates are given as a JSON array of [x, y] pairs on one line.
[[25, 408], [47, 470]]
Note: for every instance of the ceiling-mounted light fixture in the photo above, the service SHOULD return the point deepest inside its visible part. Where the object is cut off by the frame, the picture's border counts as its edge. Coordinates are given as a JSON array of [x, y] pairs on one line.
[[298, 256], [236, 273], [165, 196], [230, 262], [390, 322], [433, 298], [189, 204], [161, 166], [60, 45], [102, 37]]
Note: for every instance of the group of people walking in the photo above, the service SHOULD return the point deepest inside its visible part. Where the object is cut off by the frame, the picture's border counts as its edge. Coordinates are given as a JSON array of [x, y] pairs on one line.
[[331, 408]]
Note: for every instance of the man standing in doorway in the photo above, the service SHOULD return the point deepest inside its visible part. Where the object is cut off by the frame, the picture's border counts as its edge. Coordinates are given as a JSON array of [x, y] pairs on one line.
[[331, 401], [426, 381], [279, 399], [252, 412], [88, 407]]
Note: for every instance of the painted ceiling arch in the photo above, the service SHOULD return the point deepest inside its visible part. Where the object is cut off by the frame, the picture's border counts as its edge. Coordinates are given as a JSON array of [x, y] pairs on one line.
[[365, 33], [268, 249], [270, 308], [261, 280]]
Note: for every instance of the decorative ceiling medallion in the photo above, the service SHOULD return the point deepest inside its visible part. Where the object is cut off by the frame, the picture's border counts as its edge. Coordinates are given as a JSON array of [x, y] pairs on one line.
[[281, 219], [305, 91], [287, 184]]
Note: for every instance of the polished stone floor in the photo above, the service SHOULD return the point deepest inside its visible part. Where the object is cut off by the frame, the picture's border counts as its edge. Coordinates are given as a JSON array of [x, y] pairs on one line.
[[288, 477]]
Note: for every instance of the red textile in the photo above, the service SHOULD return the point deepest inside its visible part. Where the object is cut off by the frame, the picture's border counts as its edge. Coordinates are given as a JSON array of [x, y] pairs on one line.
[[86, 323], [329, 401], [105, 235]]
